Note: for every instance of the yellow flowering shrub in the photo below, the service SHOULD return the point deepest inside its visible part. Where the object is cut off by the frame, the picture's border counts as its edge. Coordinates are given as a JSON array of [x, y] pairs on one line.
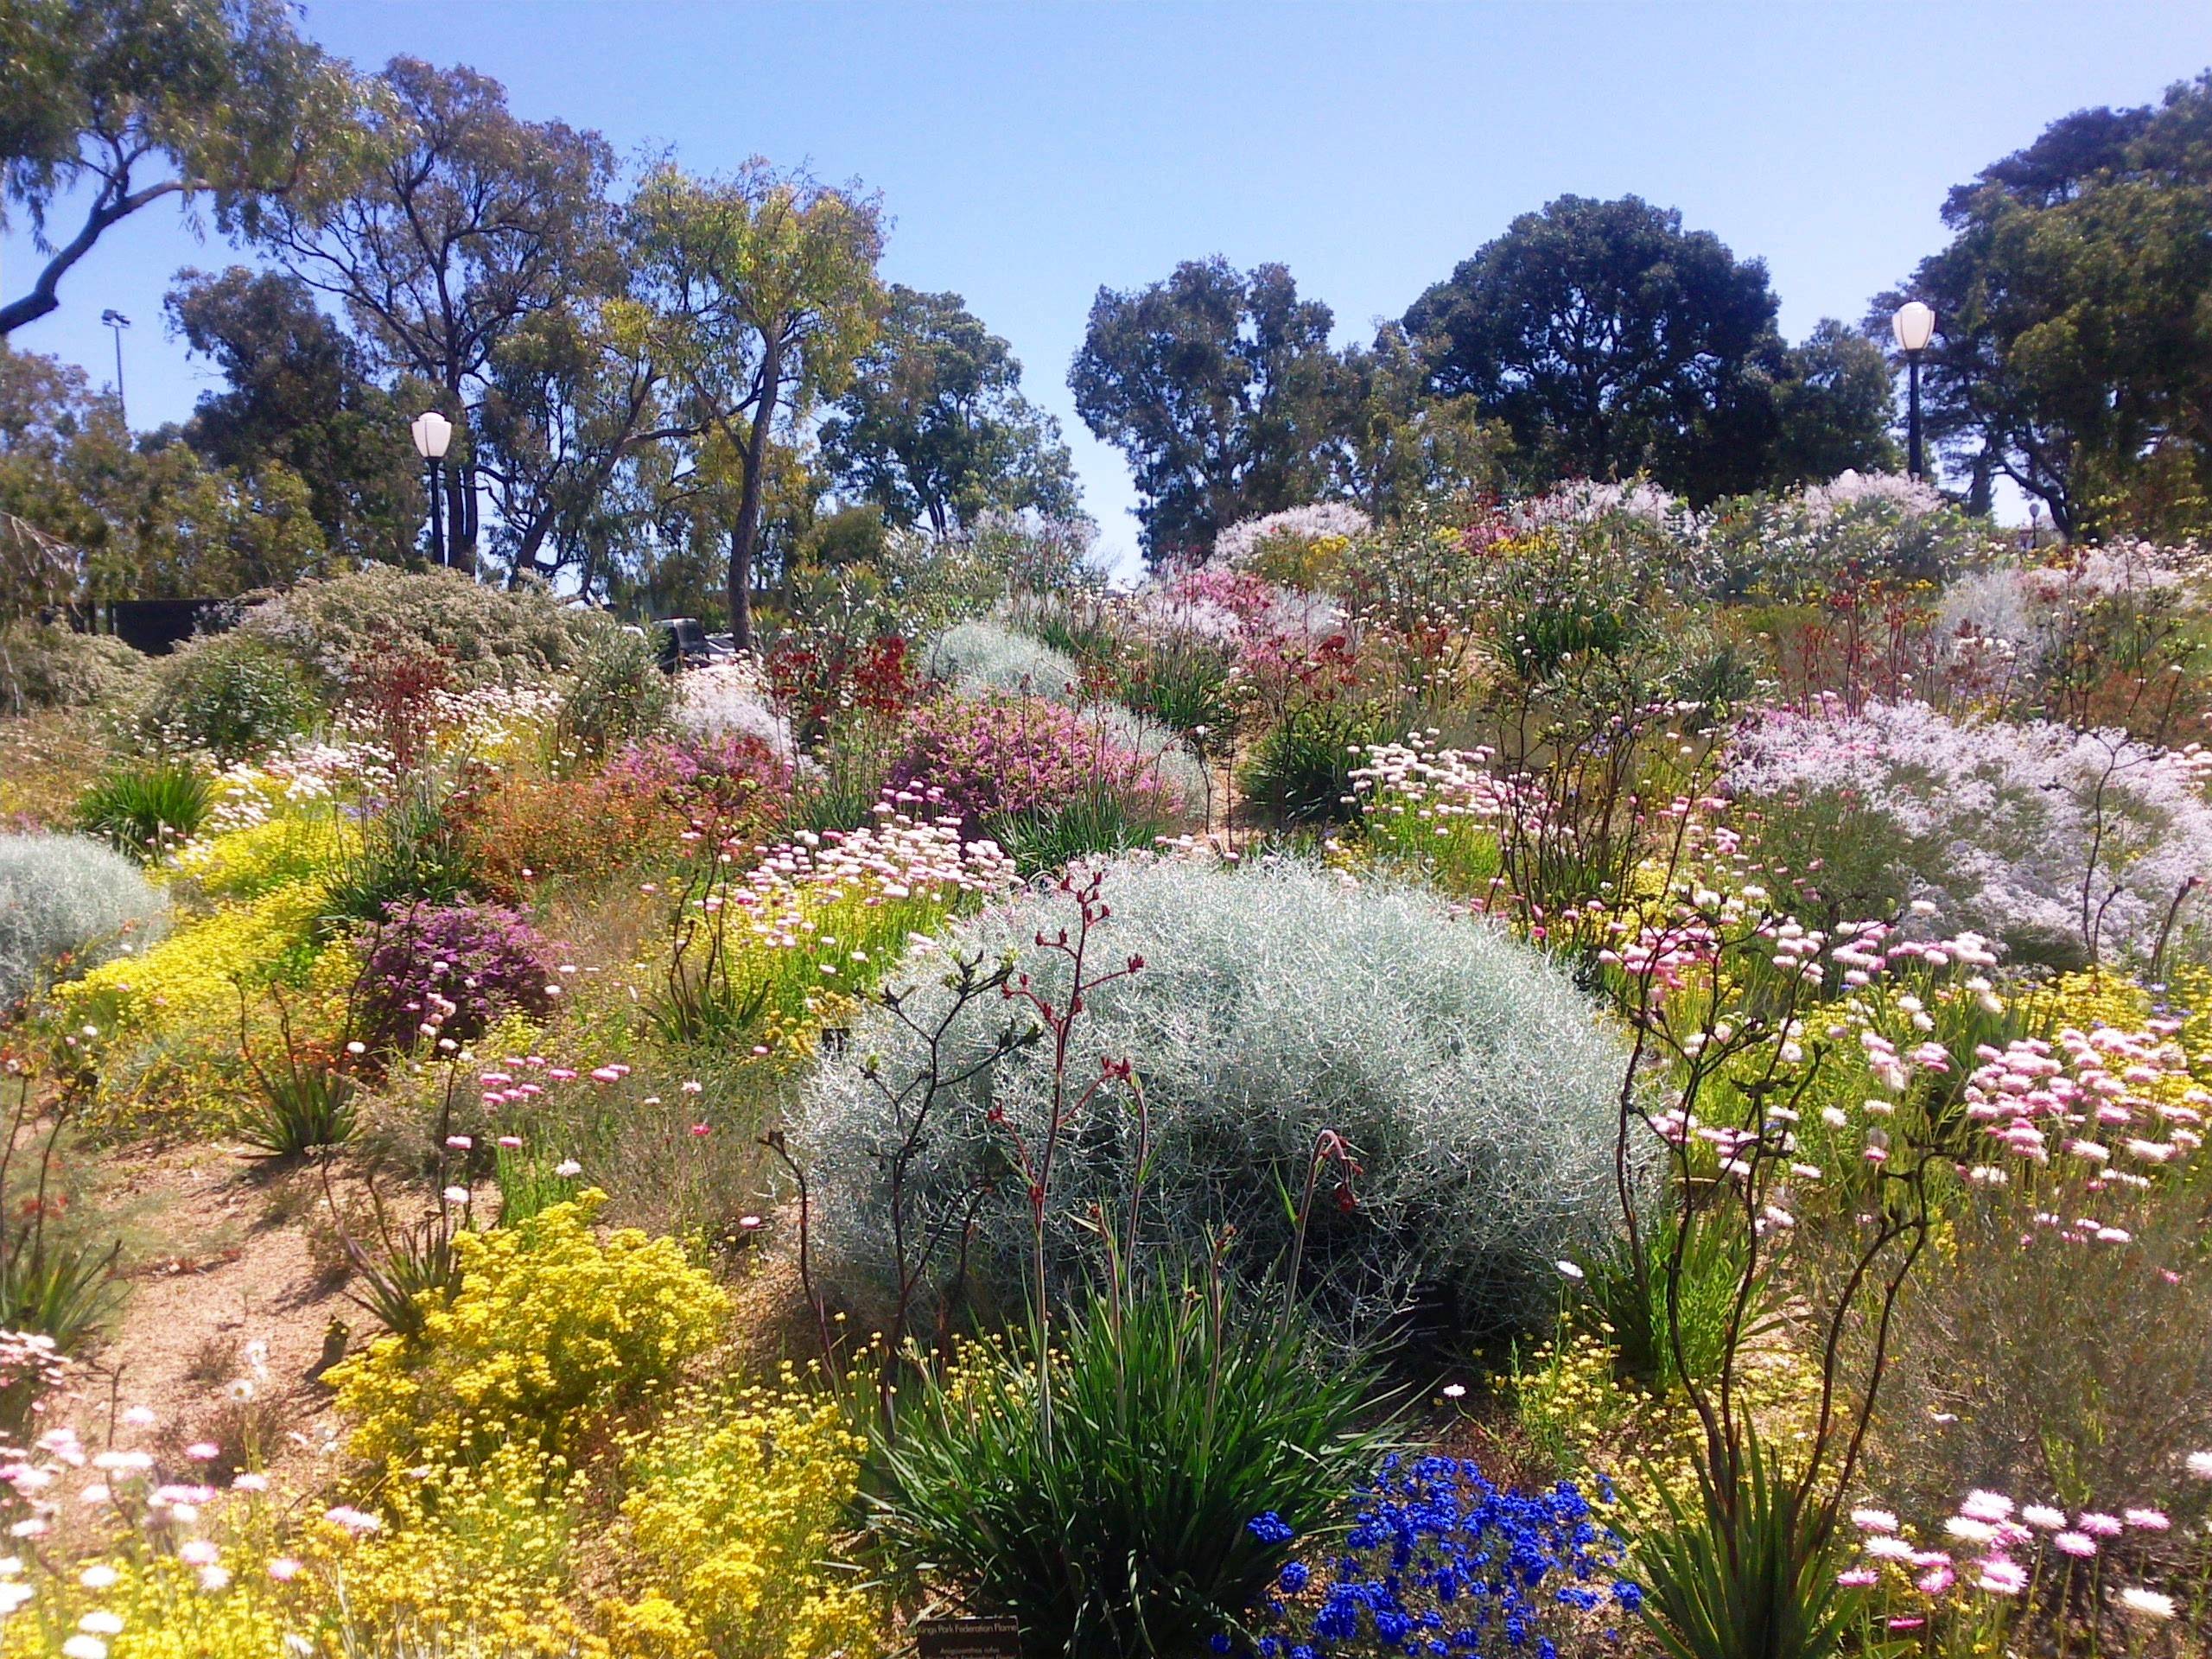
[[727, 1533], [553, 1326], [484, 1548], [190, 978], [287, 849], [1572, 1405], [2086, 1001]]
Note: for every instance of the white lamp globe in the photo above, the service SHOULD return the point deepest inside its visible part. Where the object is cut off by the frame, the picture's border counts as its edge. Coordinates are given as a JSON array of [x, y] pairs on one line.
[[1913, 327], [433, 432]]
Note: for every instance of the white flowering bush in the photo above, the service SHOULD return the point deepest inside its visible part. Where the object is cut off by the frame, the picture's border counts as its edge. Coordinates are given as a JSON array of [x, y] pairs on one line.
[[1474, 1085], [731, 697], [67, 898], [1237, 546], [1580, 501], [2066, 845]]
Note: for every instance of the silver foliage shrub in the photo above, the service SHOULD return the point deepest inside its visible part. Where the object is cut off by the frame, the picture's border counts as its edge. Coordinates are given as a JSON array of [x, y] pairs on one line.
[[981, 656], [67, 897], [1276, 1002]]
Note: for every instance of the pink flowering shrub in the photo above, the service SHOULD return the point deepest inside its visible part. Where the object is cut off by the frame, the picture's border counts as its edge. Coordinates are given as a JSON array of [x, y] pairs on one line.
[[1995, 1567], [454, 968], [2063, 1345], [992, 758], [726, 775]]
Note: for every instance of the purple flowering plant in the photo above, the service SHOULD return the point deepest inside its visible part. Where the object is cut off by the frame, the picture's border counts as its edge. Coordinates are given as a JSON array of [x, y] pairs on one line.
[[452, 968], [994, 757]]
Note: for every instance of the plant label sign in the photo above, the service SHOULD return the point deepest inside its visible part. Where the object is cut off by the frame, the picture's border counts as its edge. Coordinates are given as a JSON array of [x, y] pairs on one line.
[[968, 1639]]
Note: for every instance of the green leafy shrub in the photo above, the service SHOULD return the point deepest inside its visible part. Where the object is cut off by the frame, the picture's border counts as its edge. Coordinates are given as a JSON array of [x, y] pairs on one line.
[[231, 696], [1697, 1278], [1300, 769], [147, 808], [483, 633], [66, 901], [614, 695], [1127, 1528], [1474, 1083], [415, 852]]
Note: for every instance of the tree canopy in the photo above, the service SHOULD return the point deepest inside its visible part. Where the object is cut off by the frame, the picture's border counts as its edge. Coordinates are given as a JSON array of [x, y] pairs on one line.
[[763, 292], [1612, 342], [2073, 316], [299, 392], [1221, 388], [454, 223], [219, 101], [934, 429]]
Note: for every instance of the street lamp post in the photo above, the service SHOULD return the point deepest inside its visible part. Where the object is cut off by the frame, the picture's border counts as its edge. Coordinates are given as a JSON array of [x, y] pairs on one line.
[[116, 322], [433, 432], [1912, 328]]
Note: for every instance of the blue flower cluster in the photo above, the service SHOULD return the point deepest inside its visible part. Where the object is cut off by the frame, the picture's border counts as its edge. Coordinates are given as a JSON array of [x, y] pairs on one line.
[[1439, 1562]]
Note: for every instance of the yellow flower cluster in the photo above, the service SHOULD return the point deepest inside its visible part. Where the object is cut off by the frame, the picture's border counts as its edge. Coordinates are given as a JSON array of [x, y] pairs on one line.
[[481, 1548], [552, 1327], [288, 850], [1574, 1408], [2086, 1001], [190, 979], [730, 1530]]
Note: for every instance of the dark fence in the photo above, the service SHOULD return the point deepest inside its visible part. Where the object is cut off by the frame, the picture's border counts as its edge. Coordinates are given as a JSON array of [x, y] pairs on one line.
[[158, 627]]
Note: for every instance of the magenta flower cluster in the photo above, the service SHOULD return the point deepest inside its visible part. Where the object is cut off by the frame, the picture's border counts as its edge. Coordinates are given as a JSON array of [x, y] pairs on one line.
[[719, 774], [454, 969], [995, 757]]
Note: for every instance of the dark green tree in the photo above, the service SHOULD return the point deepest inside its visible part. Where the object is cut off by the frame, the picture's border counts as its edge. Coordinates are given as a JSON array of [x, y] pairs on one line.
[[1220, 387], [1403, 446], [110, 105], [1612, 342], [456, 223], [1833, 406], [2073, 345], [935, 430], [299, 392]]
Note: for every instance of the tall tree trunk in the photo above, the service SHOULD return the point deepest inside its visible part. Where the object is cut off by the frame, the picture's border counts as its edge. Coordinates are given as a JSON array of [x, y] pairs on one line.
[[744, 537], [461, 519]]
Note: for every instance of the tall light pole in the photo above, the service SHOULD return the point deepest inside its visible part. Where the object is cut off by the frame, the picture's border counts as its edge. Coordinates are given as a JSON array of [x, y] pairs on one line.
[[116, 322], [433, 432], [1912, 328]]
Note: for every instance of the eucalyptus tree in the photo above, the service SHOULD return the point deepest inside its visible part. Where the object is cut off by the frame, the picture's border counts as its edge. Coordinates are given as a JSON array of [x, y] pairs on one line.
[[455, 224], [763, 292], [1220, 387], [111, 106], [935, 428]]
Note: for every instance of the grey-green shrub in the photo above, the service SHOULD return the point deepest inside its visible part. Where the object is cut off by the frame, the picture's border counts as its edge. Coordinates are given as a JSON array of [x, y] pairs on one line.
[[1477, 1085], [67, 898], [487, 634], [43, 667], [981, 656]]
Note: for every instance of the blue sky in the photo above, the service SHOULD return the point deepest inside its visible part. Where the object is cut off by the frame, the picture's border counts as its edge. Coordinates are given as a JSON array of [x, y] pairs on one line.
[[1028, 154]]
